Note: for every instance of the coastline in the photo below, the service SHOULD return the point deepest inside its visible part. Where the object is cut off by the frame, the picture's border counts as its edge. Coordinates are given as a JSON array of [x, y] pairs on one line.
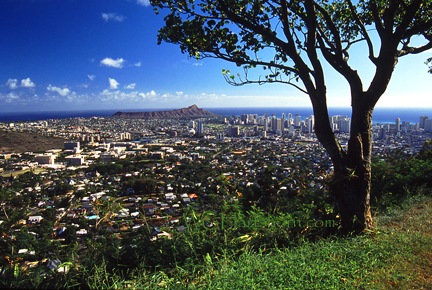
[[381, 115]]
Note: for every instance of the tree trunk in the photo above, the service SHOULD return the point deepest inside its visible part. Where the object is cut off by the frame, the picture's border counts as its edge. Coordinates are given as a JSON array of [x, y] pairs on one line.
[[352, 175], [351, 189]]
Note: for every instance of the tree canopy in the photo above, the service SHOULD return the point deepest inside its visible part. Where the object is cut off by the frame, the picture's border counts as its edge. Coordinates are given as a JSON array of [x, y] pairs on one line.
[[297, 33]]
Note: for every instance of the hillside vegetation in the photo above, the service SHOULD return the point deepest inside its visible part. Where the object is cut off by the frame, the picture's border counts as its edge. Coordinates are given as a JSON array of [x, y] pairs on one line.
[[19, 142]]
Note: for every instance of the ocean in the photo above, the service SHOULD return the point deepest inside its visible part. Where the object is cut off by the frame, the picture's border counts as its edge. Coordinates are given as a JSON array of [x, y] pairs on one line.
[[381, 115]]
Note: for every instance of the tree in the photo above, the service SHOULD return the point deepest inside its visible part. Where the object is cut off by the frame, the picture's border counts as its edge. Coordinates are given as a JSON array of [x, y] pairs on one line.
[[301, 36]]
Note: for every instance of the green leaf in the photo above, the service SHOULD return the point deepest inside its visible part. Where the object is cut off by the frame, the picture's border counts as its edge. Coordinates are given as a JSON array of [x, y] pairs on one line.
[[16, 270]]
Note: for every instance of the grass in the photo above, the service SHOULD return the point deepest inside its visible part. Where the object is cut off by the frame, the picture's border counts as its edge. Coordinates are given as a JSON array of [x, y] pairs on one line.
[[19, 172], [395, 256], [411, 229]]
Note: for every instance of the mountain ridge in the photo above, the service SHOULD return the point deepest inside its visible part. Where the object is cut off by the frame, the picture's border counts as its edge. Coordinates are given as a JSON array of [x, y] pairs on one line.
[[191, 111]]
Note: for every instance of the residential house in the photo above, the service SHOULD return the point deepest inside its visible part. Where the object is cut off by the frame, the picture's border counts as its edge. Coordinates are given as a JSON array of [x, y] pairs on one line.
[[34, 219]]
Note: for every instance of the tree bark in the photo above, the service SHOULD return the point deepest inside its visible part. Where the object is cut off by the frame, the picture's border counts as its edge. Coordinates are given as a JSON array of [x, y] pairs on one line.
[[351, 182]]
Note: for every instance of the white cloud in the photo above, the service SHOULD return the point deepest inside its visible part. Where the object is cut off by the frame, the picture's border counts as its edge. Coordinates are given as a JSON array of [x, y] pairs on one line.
[[112, 16], [113, 83], [27, 83], [12, 83], [117, 63], [91, 77], [107, 95], [152, 94], [179, 93], [130, 87], [9, 98], [143, 2], [138, 64], [62, 92], [149, 94], [12, 96]]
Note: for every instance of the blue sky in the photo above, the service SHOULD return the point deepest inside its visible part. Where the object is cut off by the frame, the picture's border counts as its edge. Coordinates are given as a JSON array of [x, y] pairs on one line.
[[103, 54]]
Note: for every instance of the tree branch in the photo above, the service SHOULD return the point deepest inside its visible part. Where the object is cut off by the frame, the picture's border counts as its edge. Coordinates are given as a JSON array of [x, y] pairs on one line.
[[232, 82], [414, 50], [332, 28], [408, 17], [389, 14], [417, 29], [363, 31], [311, 23], [377, 20]]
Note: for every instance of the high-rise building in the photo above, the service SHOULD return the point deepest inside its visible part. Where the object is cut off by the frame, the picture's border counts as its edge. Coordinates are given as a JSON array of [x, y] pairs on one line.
[[312, 128], [200, 127], [345, 125], [406, 125], [398, 127], [283, 120], [233, 131], [382, 132], [297, 120], [303, 127], [428, 125], [308, 125], [422, 121], [244, 118], [273, 124], [279, 125], [276, 124], [291, 128], [236, 131]]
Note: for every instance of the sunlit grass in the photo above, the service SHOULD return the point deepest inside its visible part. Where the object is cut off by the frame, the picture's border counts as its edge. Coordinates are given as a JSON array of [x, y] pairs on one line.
[[397, 255], [388, 258]]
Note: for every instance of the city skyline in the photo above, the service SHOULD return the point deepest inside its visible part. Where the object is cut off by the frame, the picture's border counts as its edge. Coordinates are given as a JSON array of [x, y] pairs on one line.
[[76, 55]]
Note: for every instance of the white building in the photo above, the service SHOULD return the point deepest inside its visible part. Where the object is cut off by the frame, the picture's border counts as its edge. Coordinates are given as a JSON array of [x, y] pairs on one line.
[[34, 219], [398, 127], [297, 120], [45, 159]]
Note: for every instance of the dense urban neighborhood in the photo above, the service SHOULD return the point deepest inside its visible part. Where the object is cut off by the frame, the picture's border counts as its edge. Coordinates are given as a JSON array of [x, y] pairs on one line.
[[118, 179]]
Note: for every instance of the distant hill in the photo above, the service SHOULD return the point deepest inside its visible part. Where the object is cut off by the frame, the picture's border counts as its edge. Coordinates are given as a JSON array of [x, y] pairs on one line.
[[19, 142], [192, 111]]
